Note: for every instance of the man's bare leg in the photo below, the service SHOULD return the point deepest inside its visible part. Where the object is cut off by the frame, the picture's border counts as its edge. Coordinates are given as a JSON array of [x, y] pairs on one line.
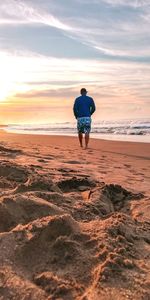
[[87, 136], [80, 135]]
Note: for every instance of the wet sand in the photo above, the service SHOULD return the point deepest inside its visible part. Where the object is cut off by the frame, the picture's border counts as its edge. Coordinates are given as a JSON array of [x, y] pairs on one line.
[[74, 223]]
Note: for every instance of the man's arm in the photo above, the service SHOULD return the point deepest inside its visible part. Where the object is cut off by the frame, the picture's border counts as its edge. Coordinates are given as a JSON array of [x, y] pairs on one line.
[[75, 109], [92, 107]]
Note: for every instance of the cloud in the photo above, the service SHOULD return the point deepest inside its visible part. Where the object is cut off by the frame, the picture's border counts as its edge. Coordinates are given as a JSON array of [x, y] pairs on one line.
[[18, 12], [133, 3], [116, 30], [110, 27], [127, 36], [146, 17], [40, 72], [111, 82]]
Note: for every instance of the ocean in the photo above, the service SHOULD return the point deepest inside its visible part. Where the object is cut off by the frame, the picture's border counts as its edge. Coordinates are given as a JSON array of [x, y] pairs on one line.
[[124, 130]]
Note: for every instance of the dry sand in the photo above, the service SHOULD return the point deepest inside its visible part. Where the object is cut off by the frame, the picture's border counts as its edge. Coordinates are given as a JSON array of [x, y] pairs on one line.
[[74, 224]]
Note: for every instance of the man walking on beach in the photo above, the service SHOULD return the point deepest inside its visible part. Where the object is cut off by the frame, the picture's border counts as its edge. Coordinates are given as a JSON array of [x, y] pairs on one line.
[[83, 108]]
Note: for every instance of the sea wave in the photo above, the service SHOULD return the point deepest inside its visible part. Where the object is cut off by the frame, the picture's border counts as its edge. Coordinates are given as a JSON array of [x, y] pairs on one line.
[[125, 127]]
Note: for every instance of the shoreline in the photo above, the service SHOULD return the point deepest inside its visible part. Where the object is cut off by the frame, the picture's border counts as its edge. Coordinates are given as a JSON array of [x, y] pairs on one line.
[[99, 136], [132, 148]]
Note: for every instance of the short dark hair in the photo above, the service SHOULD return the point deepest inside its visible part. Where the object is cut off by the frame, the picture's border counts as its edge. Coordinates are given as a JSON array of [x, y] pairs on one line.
[[83, 91]]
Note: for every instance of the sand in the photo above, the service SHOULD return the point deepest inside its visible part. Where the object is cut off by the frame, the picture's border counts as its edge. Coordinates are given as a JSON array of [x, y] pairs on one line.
[[74, 223]]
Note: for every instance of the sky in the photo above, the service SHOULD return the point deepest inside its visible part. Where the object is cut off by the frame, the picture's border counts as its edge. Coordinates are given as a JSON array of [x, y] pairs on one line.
[[50, 49]]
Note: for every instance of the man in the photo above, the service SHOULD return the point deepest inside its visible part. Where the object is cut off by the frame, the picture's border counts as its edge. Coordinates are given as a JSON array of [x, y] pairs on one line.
[[83, 108]]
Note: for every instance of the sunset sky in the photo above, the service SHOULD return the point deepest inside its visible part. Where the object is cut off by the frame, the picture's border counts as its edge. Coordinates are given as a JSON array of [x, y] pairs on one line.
[[49, 49]]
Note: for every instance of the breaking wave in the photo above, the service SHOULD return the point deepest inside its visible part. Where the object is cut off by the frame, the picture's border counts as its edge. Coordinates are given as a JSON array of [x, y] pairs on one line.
[[139, 127]]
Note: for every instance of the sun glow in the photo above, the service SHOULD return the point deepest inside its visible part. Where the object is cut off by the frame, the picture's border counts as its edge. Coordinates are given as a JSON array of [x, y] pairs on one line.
[[7, 71], [6, 88], [10, 77]]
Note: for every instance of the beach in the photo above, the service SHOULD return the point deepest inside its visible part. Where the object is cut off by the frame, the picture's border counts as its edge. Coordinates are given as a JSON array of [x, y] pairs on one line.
[[74, 223]]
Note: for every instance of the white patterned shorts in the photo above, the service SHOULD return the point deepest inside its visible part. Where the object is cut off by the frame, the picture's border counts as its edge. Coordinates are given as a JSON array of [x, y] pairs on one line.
[[84, 124]]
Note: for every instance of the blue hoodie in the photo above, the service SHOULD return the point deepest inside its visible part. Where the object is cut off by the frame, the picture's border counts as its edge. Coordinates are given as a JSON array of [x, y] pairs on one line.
[[84, 106]]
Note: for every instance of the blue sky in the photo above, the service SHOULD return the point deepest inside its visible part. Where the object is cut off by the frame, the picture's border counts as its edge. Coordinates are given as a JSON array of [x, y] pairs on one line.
[[50, 49]]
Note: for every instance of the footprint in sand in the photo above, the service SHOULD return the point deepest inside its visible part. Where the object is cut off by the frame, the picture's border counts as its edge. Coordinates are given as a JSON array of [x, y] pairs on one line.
[[48, 157], [141, 174], [42, 160], [73, 162], [33, 167], [102, 172], [128, 166], [12, 153], [137, 174], [90, 151], [101, 160], [67, 170]]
